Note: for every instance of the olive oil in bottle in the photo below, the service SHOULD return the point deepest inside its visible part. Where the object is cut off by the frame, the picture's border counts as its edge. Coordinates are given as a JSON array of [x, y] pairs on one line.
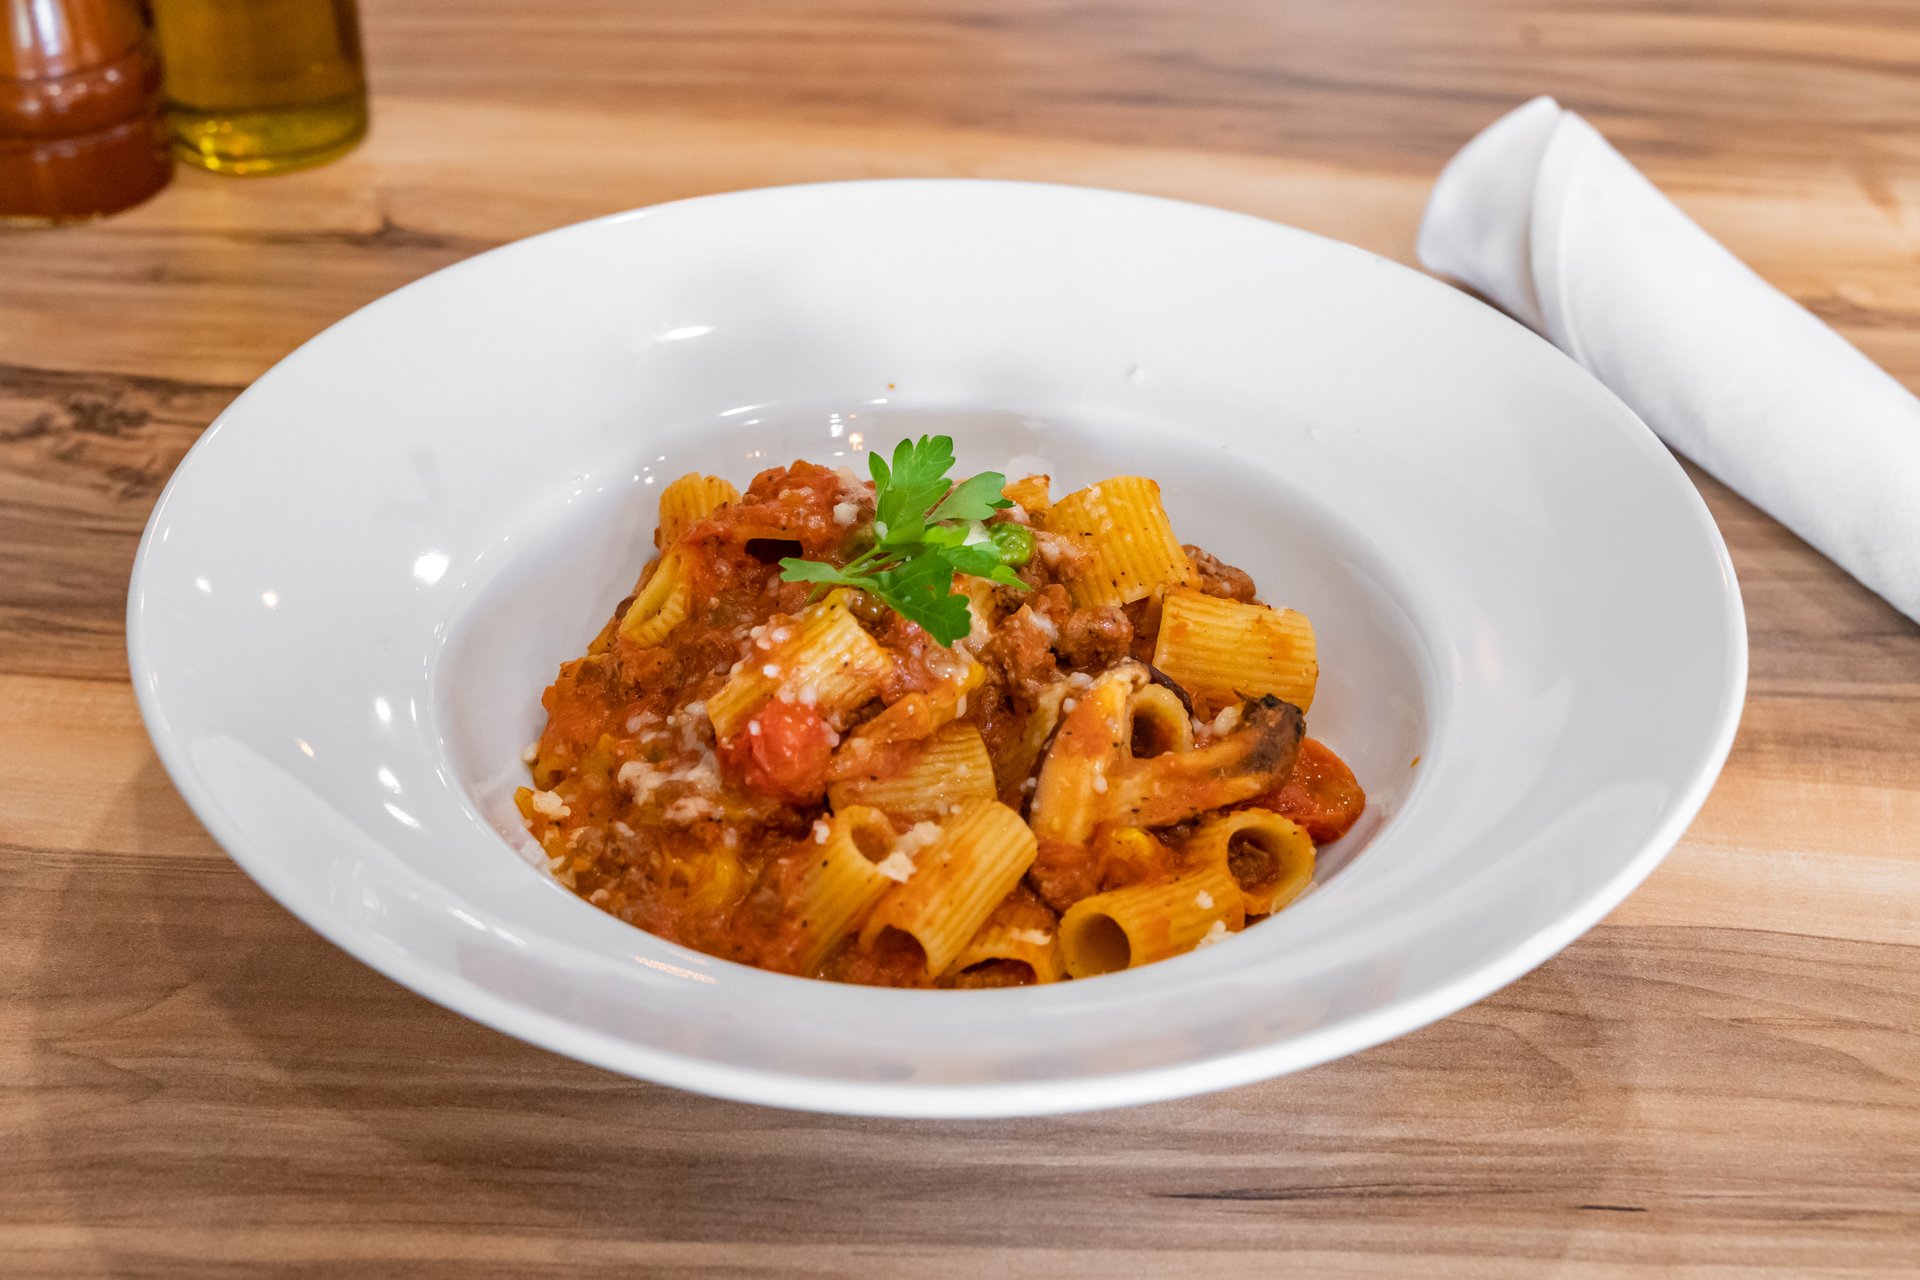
[[262, 86]]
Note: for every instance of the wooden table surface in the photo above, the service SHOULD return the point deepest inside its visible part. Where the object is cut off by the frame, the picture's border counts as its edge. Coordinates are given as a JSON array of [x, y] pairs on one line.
[[1719, 1080]]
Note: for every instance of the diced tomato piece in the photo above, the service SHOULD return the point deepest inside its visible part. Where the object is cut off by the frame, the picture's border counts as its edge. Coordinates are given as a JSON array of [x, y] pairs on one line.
[[1321, 794], [782, 752]]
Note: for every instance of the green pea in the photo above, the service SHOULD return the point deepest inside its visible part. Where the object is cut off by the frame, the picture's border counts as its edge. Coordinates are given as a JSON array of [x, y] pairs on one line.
[[1014, 542]]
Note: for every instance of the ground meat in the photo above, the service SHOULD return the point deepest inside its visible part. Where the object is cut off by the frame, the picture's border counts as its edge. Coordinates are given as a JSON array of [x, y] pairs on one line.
[[1218, 578], [1057, 553], [1020, 655], [1063, 874], [1145, 617], [1051, 603], [1096, 637]]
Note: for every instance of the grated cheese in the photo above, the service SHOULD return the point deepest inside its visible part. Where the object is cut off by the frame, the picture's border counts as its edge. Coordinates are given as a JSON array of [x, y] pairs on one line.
[[702, 775], [917, 837], [640, 778], [1216, 934], [896, 866], [1203, 900], [689, 809], [549, 805]]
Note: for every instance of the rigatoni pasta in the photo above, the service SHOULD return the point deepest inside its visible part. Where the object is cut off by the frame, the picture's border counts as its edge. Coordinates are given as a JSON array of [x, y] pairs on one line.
[[842, 878], [906, 732], [938, 775], [1136, 925], [1019, 944], [660, 605], [823, 660], [1129, 545], [972, 864], [689, 500], [1223, 651], [1268, 856]]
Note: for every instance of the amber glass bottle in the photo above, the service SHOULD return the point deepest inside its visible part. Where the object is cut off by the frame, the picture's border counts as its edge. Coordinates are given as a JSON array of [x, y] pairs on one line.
[[80, 129], [262, 86]]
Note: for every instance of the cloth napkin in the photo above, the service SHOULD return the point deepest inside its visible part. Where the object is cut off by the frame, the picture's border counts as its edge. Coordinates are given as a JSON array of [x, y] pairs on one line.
[[1541, 215]]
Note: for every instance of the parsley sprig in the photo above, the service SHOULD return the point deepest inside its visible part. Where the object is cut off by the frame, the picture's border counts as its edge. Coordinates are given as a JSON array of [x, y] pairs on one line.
[[925, 530]]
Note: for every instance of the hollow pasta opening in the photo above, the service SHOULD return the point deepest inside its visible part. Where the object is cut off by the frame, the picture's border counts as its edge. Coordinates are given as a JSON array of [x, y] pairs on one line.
[[1158, 723], [1101, 946], [897, 949], [1000, 972], [773, 550], [874, 840], [1151, 737], [1253, 856]]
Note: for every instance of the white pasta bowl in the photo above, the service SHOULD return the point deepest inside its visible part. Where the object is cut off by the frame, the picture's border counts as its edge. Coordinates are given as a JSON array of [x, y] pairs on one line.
[[354, 590]]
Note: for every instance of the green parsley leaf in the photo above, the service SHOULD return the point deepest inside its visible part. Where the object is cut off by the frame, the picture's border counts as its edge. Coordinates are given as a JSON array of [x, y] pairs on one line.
[[922, 591], [974, 499], [982, 560], [915, 482], [796, 570], [925, 530]]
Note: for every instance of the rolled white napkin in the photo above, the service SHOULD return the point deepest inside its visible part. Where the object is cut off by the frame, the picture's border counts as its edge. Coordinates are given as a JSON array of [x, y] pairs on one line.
[[1541, 215]]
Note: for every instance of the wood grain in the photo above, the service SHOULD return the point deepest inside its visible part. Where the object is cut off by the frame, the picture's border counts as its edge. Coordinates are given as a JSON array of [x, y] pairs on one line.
[[1721, 1080]]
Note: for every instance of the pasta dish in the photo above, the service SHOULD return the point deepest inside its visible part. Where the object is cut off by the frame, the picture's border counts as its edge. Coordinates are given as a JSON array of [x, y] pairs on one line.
[[913, 732]]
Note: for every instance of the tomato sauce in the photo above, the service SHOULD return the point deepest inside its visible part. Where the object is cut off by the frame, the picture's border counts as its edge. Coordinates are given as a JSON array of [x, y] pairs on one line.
[[642, 812]]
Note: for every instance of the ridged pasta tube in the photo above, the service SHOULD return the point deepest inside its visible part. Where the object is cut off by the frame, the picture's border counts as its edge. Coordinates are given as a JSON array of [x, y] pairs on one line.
[[689, 500], [1126, 928], [957, 881], [948, 770], [825, 661], [1221, 651], [1129, 543], [1019, 933], [1269, 857], [660, 605], [842, 880]]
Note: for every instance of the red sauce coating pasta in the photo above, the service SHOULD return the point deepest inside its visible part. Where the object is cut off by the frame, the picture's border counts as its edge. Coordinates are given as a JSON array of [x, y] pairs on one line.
[[729, 843]]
